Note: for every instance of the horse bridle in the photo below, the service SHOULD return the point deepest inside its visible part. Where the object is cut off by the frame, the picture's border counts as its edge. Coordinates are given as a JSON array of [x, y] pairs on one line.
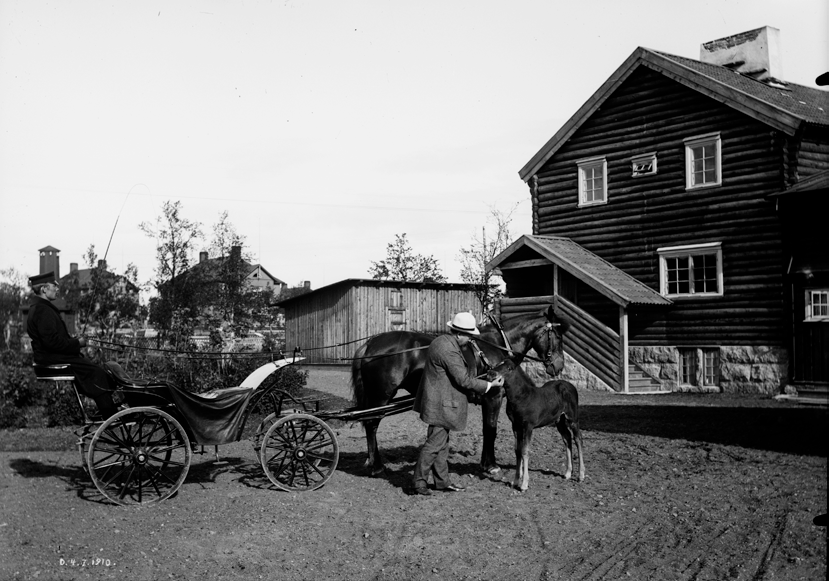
[[548, 356]]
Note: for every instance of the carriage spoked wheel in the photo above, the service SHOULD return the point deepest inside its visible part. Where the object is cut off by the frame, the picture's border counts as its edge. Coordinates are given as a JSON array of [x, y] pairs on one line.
[[139, 456], [299, 453], [261, 430]]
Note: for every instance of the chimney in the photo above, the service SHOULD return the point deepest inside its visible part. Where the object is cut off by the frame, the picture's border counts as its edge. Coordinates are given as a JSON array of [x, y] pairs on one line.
[[236, 253], [756, 53], [306, 284], [73, 267], [102, 264], [202, 256], [50, 260]]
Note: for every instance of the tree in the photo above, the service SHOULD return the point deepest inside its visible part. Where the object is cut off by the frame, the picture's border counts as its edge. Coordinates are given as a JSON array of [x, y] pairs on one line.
[[13, 286], [175, 238], [474, 258], [225, 238], [107, 302], [402, 264]]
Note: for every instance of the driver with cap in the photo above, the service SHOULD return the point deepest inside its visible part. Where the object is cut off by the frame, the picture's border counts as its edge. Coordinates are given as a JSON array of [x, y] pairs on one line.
[[441, 401], [52, 344]]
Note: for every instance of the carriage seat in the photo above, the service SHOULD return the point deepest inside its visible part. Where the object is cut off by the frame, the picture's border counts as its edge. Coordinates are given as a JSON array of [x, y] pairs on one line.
[[56, 372]]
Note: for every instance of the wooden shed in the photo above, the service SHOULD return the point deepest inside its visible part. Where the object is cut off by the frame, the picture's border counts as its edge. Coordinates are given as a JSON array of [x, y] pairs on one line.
[[329, 324]]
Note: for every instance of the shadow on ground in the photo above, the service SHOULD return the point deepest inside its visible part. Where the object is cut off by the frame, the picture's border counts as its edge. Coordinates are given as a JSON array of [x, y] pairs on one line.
[[787, 430]]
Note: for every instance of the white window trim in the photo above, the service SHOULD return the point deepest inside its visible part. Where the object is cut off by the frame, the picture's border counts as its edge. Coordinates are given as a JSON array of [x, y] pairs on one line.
[[640, 159], [699, 140], [809, 318], [583, 163], [688, 250]]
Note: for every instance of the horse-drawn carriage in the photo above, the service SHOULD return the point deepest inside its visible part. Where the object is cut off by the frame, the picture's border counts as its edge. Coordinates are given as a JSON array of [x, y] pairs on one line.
[[142, 453]]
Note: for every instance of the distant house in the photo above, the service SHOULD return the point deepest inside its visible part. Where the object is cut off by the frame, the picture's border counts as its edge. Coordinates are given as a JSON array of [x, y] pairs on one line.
[[83, 281], [678, 222], [329, 324], [254, 275]]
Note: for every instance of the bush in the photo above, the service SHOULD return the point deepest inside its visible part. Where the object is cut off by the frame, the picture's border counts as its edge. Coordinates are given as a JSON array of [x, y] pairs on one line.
[[18, 388], [62, 406]]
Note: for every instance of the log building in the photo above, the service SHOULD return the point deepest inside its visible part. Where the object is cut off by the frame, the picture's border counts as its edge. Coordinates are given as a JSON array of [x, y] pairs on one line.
[[679, 222]]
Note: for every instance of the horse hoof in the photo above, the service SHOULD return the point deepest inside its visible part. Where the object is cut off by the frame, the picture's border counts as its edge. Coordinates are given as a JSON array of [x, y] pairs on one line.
[[375, 472], [492, 471]]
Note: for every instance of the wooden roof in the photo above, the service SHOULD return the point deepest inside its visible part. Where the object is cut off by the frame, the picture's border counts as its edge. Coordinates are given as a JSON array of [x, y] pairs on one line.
[[612, 282], [813, 183], [349, 282], [784, 108]]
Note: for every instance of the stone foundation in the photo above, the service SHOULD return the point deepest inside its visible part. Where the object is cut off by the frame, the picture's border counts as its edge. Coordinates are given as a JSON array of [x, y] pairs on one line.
[[574, 372], [742, 369]]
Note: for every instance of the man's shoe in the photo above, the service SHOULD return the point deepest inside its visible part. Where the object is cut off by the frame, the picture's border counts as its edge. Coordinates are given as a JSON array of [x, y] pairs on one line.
[[453, 488], [423, 491]]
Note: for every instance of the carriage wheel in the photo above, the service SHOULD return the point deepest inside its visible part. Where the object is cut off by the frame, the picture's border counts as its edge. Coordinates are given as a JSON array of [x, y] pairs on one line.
[[139, 456], [261, 430], [299, 453]]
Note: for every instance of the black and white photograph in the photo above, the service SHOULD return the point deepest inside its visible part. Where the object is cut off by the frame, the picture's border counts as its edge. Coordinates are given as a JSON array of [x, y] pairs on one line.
[[431, 290]]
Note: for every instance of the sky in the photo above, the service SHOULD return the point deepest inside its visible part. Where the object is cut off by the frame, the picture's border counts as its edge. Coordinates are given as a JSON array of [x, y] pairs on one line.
[[323, 128]]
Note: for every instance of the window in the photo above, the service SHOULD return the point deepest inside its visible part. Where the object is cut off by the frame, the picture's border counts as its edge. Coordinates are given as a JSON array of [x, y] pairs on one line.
[[688, 366], [694, 270], [817, 304], [702, 161], [643, 165], [592, 181], [699, 366], [710, 367]]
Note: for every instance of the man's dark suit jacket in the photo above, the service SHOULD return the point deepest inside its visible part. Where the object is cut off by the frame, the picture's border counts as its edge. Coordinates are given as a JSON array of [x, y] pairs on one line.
[[441, 398]]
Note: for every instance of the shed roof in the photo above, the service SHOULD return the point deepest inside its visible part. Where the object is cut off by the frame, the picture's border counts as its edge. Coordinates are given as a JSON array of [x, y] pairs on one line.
[[813, 183], [785, 109], [377, 283], [612, 282]]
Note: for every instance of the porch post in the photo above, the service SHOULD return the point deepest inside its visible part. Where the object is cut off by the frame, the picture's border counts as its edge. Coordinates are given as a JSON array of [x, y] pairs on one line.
[[623, 349]]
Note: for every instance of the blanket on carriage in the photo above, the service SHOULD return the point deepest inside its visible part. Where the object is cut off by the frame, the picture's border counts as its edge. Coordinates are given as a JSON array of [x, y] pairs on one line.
[[214, 418]]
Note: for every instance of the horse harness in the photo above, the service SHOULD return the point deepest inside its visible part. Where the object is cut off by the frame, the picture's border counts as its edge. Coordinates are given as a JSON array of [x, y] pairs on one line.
[[548, 356]]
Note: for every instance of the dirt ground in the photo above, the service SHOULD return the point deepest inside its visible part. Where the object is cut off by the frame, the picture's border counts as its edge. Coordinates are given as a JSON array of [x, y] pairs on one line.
[[685, 487]]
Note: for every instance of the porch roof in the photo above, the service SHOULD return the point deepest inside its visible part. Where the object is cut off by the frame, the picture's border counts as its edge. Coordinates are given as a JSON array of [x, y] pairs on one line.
[[612, 282]]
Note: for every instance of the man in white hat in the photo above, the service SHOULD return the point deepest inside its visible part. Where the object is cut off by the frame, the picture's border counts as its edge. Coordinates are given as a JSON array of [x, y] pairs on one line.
[[441, 401]]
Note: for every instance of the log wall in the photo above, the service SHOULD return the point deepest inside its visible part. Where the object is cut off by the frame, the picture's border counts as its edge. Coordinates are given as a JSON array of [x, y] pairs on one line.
[[652, 113]]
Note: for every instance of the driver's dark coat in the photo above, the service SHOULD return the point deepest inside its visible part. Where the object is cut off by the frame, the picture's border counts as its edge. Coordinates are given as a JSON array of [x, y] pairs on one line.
[[441, 397], [51, 342]]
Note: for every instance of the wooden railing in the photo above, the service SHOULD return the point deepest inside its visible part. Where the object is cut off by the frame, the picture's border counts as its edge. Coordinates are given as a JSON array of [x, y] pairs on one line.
[[588, 341]]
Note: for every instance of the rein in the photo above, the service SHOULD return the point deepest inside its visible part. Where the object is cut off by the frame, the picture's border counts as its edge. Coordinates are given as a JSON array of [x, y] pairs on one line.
[[500, 330]]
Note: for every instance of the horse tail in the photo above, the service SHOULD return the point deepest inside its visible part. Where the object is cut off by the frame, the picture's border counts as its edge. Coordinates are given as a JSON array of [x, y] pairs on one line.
[[357, 387]]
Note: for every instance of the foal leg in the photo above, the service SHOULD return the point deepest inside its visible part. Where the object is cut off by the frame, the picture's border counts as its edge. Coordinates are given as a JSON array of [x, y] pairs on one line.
[[574, 426], [518, 433], [563, 427], [525, 460]]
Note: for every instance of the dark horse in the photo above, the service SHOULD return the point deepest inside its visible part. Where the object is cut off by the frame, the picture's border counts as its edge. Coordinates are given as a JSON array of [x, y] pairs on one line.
[[394, 360]]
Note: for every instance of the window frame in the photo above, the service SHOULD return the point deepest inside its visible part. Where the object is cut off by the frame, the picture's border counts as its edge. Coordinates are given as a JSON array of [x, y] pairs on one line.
[[645, 158], [696, 141], [589, 163], [690, 250], [809, 300]]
